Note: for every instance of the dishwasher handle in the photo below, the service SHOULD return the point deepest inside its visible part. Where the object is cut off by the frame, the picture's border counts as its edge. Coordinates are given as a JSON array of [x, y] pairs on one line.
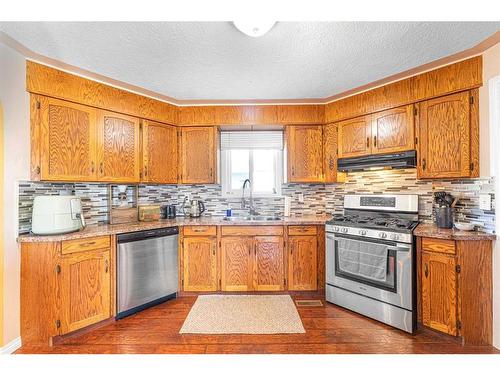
[[145, 234]]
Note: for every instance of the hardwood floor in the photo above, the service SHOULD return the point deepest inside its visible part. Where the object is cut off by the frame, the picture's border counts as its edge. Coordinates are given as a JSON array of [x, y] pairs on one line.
[[329, 329]]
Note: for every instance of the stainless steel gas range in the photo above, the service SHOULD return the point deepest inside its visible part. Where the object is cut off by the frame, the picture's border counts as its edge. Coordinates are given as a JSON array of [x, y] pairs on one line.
[[370, 258]]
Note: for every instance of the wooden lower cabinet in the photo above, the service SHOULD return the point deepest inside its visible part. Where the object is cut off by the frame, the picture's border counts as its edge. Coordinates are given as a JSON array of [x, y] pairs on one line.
[[62, 292], [268, 263], [302, 262], [199, 264], [454, 285], [439, 292], [85, 289], [236, 264]]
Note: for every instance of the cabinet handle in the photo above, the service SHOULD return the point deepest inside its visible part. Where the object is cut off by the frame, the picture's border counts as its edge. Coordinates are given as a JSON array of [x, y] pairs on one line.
[[293, 170], [106, 266], [145, 171], [85, 244], [291, 249], [92, 167], [213, 249], [424, 163], [100, 167], [374, 141], [330, 163], [426, 270]]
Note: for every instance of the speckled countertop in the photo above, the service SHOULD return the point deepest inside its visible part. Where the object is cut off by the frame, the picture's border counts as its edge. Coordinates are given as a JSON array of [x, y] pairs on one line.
[[431, 230], [107, 229]]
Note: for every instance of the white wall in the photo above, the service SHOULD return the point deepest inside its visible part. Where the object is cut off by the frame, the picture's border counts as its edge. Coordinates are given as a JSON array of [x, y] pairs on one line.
[[490, 166], [15, 103]]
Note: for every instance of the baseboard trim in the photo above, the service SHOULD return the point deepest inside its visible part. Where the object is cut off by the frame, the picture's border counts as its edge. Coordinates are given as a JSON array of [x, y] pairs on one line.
[[11, 347]]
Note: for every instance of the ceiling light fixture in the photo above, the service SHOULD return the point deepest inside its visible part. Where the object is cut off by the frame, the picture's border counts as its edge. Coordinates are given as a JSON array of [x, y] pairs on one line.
[[255, 28]]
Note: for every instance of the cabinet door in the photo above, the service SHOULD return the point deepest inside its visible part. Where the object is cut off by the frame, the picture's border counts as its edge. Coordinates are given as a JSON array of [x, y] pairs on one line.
[[393, 130], [444, 131], [330, 150], [68, 141], [355, 137], [118, 150], [268, 263], [305, 153], [159, 145], [236, 264], [197, 155], [85, 289], [200, 264], [302, 262], [439, 292]]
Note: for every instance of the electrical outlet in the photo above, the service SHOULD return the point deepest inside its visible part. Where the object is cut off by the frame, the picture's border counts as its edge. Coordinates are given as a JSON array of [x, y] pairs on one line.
[[301, 198], [485, 202]]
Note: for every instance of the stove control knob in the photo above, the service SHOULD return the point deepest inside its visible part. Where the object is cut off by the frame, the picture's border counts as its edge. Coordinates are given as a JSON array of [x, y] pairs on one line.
[[344, 230], [335, 229], [382, 235], [362, 232], [394, 236]]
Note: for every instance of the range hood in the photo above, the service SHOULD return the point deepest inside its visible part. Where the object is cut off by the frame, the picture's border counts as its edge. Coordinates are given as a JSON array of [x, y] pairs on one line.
[[407, 159]]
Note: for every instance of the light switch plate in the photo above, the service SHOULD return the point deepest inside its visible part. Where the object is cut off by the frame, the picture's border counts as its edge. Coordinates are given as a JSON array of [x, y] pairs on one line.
[[485, 202]]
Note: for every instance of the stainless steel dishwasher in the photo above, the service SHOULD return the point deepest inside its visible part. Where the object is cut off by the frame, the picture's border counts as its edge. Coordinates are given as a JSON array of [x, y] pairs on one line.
[[147, 269]]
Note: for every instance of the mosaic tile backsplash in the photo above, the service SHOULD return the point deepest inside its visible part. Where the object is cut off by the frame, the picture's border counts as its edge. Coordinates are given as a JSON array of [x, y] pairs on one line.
[[317, 198]]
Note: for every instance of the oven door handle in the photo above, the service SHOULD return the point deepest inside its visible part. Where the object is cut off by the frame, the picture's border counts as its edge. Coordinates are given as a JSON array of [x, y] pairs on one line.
[[399, 248]]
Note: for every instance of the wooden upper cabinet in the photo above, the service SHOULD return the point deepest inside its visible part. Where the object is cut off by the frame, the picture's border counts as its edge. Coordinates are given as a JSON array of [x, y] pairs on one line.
[[439, 292], [198, 155], [118, 150], [64, 137], [85, 289], [445, 139], [236, 263], [355, 137], [159, 147], [305, 153], [302, 263], [393, 130], [268, 263], [199, 264], [330, 150]]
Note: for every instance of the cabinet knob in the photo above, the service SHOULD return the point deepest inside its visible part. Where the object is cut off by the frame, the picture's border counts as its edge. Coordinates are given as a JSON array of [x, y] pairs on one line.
[[374, 141], [424, 163], [367, 142], [106, 266], [426, 270]]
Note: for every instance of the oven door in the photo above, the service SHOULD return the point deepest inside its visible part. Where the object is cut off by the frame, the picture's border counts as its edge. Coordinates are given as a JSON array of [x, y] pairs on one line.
[[374, 268]]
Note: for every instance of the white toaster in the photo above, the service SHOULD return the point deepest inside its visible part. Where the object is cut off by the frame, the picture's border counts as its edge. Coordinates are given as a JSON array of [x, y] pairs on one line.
[[57, 214]]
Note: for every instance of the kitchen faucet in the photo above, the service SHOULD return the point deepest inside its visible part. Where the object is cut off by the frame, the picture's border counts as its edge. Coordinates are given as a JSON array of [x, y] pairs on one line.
[[251, 209]]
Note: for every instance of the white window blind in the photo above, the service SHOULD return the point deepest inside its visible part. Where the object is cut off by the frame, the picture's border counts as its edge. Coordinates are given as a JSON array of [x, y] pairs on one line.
[[251, 140]]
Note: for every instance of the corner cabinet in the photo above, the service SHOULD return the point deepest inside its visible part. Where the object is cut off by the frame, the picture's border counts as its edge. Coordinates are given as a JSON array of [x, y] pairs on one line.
[[197, 154], [305, 153], [448, 133], [160, 154], [454, 287], [65, 286]]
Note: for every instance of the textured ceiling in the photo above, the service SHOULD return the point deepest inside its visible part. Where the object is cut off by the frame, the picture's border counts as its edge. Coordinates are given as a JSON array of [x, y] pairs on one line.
[[214, 61]]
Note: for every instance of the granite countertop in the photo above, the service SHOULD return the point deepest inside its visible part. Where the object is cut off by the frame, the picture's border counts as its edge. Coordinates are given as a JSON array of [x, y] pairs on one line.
[[107, 229], [431, 230]]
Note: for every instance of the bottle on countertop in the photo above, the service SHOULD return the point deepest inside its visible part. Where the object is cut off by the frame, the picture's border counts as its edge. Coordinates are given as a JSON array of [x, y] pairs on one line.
[[229, 212]]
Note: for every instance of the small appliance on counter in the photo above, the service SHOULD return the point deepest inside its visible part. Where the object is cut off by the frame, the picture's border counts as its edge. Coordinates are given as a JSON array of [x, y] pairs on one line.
[[193, 208], [150, 212], [57, 214], [168, 211], [444, 213], [122, 210]]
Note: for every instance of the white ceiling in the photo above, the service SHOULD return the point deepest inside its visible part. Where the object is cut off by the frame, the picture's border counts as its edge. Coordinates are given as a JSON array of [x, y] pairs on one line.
[[214, 61]]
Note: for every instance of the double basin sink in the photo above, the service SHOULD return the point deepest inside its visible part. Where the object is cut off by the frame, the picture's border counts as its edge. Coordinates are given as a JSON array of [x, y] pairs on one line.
[[252, 218]]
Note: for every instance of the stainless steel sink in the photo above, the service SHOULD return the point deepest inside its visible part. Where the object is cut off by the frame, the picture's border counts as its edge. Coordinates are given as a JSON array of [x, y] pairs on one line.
[[252, 218]]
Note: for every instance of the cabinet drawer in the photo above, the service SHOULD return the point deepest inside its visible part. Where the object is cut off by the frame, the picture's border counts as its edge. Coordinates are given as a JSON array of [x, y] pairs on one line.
[[258, 230], [200, 230], [302, 230], [85, 244], [438, 245]]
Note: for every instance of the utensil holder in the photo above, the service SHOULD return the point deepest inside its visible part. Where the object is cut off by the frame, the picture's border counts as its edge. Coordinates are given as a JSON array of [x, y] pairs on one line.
[[444, 217]]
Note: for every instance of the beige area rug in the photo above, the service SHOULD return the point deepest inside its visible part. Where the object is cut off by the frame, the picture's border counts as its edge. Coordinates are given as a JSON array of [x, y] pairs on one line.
[[243, 314]]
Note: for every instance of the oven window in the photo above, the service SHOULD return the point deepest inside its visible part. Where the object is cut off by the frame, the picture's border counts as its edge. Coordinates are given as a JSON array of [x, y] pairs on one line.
[[367, 262]]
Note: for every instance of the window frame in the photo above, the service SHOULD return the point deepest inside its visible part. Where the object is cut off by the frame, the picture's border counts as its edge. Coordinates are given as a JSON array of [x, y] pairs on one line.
[[227, 192]]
